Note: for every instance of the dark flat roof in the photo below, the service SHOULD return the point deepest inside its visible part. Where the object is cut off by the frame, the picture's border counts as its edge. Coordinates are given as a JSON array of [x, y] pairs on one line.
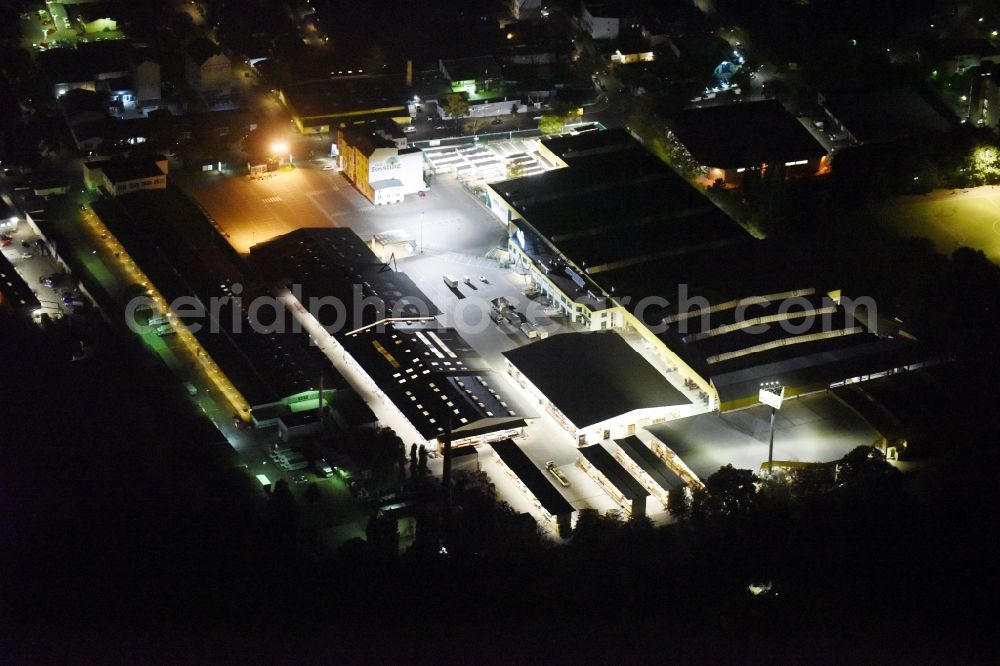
[[615, 201], [366, 139], [335, 262], [86, 61], [416, 370], [592, 377], [120, 170], [819, 363], [650, 463], [613, 471], [533, 478], [176, 247], [884, 115], [744, 134], [607, 8], [340, 96]]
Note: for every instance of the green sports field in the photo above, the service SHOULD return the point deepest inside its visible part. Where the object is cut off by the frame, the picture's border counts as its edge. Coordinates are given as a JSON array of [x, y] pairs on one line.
[[968, 217]]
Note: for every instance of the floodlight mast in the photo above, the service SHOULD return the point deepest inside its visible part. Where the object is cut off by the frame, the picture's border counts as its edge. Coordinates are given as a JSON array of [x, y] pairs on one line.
[[771, 393]]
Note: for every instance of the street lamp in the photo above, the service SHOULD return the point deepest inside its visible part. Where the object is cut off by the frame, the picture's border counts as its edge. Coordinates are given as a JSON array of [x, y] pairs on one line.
[[421, 232], [279, 148], [772, 394]]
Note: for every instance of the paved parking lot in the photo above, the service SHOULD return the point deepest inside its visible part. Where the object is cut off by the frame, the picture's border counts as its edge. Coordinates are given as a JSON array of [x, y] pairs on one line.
[[813, 428], [253, 211]]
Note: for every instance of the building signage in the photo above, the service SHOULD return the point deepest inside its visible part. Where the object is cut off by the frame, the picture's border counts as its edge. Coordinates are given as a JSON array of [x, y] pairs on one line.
[[391, 164]]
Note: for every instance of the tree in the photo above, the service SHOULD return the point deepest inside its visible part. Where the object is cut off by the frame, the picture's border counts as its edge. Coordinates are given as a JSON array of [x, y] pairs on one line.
[[864, 464], [678, 503], [382, 532], [422, 458], [474, 124], [455, 106], [550, 124], [729, 491], [284, 510], [515, 170]]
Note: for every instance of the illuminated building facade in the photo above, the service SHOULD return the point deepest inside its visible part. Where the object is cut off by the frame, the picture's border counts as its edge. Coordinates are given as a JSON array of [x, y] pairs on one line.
[[382, 171]]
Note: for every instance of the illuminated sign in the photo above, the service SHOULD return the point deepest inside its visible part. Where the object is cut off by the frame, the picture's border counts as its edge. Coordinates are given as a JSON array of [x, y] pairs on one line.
[[391, 164]]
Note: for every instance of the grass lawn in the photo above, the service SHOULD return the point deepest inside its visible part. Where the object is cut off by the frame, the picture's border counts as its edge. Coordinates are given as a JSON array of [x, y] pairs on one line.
[[968, 217]]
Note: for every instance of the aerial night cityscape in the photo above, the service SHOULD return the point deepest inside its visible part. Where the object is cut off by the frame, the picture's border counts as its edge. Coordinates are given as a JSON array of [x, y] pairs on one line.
[[499, 331]]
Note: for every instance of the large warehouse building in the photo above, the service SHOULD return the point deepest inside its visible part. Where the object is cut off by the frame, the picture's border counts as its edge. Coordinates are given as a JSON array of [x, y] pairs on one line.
[[388, 332], [617, 240], [324, 105], [595, 385], [730, 140], [267, 376]]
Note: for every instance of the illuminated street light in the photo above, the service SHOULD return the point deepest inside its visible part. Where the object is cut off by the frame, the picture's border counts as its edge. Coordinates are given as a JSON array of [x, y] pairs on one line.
[[771, 394], [279, 148]]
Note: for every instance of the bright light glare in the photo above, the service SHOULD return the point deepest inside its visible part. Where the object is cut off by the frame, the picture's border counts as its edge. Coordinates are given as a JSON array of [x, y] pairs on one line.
[[279, 147]]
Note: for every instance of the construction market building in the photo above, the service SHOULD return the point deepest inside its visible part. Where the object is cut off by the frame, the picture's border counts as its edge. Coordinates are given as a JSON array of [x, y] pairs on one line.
[[617, 240]]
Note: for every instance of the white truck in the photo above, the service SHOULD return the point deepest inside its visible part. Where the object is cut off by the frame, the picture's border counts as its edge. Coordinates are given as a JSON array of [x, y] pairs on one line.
[[450, 281]]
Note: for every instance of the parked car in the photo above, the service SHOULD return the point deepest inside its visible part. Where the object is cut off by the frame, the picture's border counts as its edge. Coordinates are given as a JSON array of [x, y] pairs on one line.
[[5, 237], [6, 243], [497, 121], [409, 129], [26, 255], [556, 472]]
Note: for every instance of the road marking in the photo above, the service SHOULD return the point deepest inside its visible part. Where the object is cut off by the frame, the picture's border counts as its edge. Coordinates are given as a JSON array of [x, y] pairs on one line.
[[274, 199]]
